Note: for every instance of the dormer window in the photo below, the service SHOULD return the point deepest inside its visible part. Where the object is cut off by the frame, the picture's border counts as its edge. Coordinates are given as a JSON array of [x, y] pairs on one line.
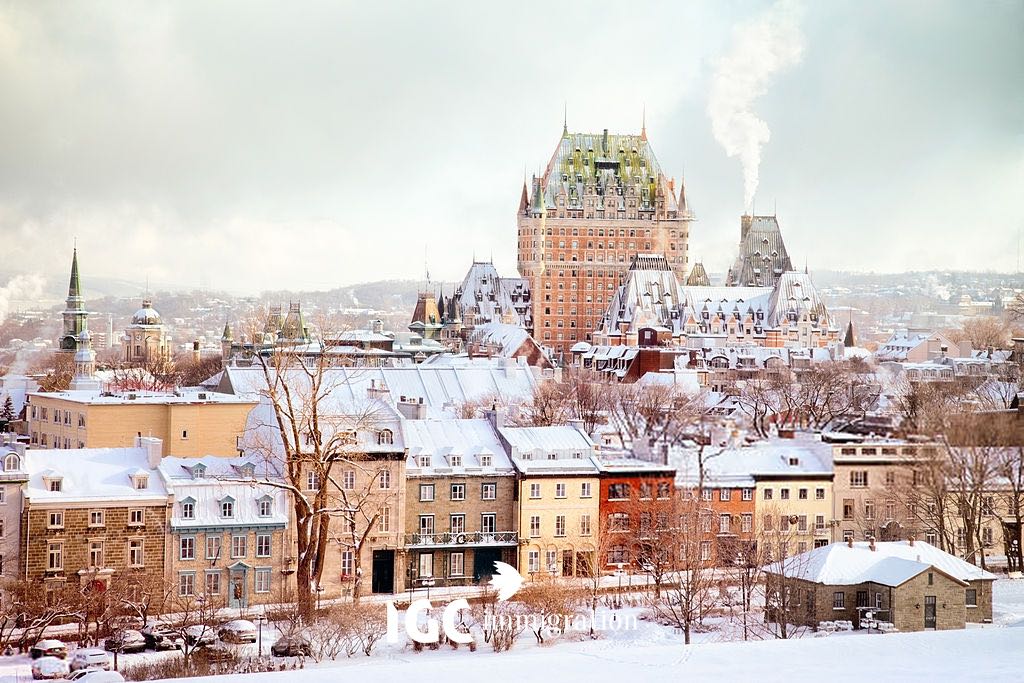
[[423, 461], [12, 462], [227, 507], [198, 471], [247, 471], [455, 460], [486, 460], [385, 437], [264, 506], [140, 482], [552, 456], [55, 484], [188, 509]]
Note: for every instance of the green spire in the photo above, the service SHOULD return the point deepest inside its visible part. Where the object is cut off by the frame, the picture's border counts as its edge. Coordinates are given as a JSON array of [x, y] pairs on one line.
[[226, 336], [75, 286]]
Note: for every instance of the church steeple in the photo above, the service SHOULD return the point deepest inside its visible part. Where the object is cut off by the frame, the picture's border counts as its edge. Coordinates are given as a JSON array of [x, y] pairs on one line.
[[75, 316]]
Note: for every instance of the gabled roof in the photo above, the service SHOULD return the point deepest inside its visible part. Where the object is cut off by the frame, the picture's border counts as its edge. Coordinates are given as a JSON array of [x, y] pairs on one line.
[[91, 474]]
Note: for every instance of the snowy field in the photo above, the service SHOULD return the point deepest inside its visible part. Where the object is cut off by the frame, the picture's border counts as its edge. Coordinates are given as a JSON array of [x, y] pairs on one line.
[[990, 653]]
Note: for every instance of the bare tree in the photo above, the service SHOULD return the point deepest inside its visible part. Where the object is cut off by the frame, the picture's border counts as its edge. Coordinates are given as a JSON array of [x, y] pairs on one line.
[[982, 332], [547, 603]]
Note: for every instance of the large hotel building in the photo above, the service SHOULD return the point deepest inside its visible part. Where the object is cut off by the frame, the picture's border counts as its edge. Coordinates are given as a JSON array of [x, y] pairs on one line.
[[602, 199]]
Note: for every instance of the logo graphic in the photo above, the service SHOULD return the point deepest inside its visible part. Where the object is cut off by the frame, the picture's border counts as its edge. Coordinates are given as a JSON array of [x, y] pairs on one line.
[[508, 581]]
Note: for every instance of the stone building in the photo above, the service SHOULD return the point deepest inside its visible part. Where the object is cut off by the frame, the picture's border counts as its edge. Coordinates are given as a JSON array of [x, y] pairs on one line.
[[762, 257], [229, 534], [912, 585], [601, 199], [94, 516], [460, 490], [13, 477], [145, 340]]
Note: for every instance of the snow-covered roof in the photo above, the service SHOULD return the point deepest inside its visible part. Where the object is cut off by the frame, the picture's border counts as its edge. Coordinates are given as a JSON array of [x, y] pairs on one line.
[[891, 563], [442, 439], [561, 448], [207, 482], [92, 475], [97, 397], [742, 466]]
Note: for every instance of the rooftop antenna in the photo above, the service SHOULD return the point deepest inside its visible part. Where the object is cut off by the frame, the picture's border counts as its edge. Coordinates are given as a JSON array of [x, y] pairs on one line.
[[565, 118]]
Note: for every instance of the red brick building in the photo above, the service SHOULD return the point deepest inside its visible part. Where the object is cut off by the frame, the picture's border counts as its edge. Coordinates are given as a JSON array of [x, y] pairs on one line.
[[636, 502]]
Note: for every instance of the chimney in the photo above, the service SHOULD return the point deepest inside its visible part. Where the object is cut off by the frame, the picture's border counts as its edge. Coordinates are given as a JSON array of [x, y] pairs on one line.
[[745, 222], [849, 542], [154, 449], [195, 351], [496, 416], [377, 390], [910, 541], [412, 409], [871, 543], [377, 326]]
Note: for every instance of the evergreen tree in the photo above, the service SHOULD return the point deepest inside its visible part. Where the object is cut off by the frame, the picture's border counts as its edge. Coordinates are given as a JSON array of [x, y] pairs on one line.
[[7, 413]]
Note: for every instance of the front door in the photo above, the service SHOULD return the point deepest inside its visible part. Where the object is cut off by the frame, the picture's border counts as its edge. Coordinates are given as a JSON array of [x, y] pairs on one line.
[[483, 563], [237, 594], [568, 558], [383, 579], [929, 611]]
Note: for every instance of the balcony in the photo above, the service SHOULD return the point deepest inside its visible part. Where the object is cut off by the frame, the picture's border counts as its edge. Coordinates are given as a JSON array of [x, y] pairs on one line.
[[467, 538]]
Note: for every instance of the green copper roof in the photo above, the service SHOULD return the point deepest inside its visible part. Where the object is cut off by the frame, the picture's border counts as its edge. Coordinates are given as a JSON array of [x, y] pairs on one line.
[[75, 286]]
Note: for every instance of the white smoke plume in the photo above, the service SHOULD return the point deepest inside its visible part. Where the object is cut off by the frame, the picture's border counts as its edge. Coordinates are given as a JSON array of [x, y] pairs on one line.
[[19, 288], [761, 48]]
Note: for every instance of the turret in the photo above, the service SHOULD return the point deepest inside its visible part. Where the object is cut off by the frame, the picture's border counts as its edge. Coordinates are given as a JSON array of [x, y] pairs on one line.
[[85, 365]]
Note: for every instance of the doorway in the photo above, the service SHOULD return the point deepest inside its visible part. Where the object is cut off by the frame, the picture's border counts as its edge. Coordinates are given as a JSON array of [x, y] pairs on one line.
[[383, 578], [483, 563], [929, 612], [238, 596]]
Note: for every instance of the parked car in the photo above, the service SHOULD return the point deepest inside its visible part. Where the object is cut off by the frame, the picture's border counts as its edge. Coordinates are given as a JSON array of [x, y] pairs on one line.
[[128, 640], [238, 631], [99, 676], [49, 648], [161, 637], [89, 658], [75, 675], [200, 635], [291, 646], [217, 652], [49, 667]]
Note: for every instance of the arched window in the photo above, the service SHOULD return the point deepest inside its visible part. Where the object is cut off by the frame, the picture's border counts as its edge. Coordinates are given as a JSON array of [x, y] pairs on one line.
[[385, 437], [11, 462]]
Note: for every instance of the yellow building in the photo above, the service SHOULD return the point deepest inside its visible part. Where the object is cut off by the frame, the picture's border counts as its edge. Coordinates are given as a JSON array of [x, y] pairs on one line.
[[190, 424], [558, 499]]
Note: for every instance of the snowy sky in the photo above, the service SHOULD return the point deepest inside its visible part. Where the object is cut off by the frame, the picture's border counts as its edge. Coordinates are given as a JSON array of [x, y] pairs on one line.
[[249, 145]]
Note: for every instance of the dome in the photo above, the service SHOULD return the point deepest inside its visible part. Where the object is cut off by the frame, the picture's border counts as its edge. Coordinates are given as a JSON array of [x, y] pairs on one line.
[[146, 315]]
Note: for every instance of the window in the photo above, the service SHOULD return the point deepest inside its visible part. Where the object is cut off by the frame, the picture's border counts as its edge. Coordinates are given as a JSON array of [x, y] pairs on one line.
[[584, 525], [645, 490], [533, 561], [890, 478], [664, 489], [458, 492], [385, 437], [213, 583], [264, 507], [188, 509], [488, 523], [55, 557], [239, 546], [426, 565], [802, 524], [767, 494], [559, 525], [839, 600], [748, 494], [187, 548], [427, 525], [312, 481], [263, 580], [213, 547], [262, 545], [724, 495], [847, 535], [534, 490], [184, 435], [768, 523], [819, 494], [96, 553], [347, 562], [618, 521], [869, 509], [56, 485], [55, 519], [819, 522], [746, 523], [426, 493], [848, 509], [488, 491], [705, 551], [457, 564], [859, 478], [972, 597], [560, 490], [784, 494], [931, 579], [136, 552], [96, 518], [486, 460], [227, 508], [585, 489], [11, 462], [618, 491], [724, 523], [706, 494], [534, 526], [348, 480], [140, 482], [802, 494], [384, 479], [186, 584], [457, 524]]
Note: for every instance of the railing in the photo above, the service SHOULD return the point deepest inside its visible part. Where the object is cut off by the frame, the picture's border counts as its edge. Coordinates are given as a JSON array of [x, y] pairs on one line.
[[464, 538]]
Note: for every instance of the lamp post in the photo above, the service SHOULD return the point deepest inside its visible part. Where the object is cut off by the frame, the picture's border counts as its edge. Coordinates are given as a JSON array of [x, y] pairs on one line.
[[262, 619], [319, 593], [618, 594]]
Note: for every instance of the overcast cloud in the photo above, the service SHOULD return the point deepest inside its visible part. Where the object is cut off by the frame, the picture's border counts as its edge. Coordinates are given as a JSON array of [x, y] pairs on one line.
[[252, 145]]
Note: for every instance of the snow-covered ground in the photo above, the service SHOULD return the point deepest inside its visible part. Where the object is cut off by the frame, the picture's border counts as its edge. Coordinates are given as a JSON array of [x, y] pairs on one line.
[[656, 652]]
